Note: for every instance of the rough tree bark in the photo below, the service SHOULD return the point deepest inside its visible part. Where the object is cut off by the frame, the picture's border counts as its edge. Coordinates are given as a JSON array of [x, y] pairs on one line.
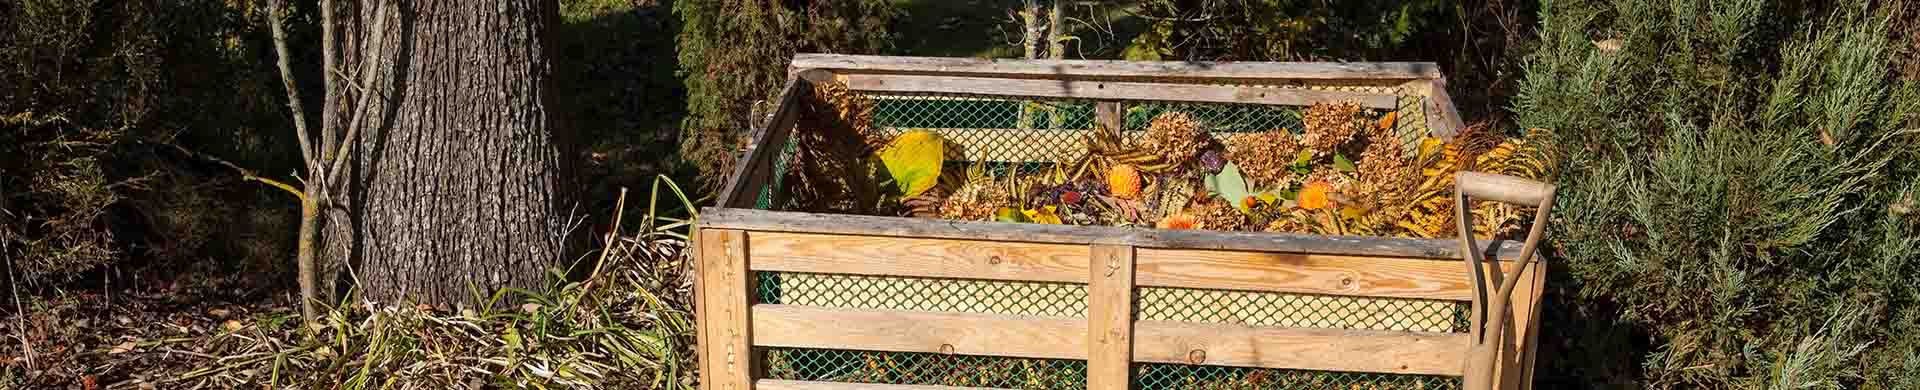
[[452, 187]]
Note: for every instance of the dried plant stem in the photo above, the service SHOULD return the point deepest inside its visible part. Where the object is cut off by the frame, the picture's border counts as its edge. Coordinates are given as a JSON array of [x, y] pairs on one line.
[[19, 309], [613, 235]]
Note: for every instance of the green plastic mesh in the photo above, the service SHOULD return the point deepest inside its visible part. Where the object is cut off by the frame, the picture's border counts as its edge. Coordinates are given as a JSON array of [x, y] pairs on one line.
[[1299, 310], [1192, 377], [923, 294], [925, 369], [1024, 135]]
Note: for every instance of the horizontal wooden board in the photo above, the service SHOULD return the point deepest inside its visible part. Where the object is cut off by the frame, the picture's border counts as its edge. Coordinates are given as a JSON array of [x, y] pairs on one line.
[[756, 165], [1300, 348], [1113, 68], [800, 222], [1113, 90], [777, 384], [1065, 338], [918, 257], [1364, 276], [927, 332]]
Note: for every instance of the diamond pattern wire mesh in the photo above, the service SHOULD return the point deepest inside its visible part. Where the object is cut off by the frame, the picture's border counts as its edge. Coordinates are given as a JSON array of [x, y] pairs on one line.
[[1024, 135], [1192, 377], [923, 294], [833, 365], [1299, 310]]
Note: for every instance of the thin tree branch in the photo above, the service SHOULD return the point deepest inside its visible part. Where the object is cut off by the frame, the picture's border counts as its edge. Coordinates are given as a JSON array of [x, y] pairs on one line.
[[245, 174], [376, 43], [332, 95], [277, 11]]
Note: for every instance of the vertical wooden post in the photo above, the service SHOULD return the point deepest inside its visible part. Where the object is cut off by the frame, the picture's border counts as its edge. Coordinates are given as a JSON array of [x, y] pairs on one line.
[[726, 341], [1516, 369], [1112, 115], [1110, 318]]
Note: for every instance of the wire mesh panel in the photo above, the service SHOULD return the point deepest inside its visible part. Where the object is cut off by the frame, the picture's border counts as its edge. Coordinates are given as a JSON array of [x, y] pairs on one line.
[[1300, 310], [1198, 377], [833, 365], [923, 294]]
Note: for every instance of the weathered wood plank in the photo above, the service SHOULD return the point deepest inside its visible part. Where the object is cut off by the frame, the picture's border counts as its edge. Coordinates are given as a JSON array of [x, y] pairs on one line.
[[918, 257], [724, 278], [1517, 359], [777, 384], [799, 222], [1113, 90], [927, 332], [1300, 348], [1305, 273], [1442, 116], [1066, 338], [1110, 318], [755, 167], [1111, 68]]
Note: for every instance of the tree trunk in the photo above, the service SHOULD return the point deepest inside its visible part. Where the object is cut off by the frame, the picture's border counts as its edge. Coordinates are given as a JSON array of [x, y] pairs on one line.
[[452, 187]]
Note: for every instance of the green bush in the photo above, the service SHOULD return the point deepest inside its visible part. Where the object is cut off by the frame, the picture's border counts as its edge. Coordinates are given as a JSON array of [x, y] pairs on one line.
[[1738, 186], [86, 85], [734, 52]]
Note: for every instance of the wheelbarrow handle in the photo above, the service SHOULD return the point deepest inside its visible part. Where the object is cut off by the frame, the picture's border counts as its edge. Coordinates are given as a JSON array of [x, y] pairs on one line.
[[1488, 322], [1502, 188]]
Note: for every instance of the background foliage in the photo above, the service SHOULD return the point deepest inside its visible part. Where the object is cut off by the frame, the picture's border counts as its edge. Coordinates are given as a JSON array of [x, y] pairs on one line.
[[734, 52], [87, 87], [1738, 191]]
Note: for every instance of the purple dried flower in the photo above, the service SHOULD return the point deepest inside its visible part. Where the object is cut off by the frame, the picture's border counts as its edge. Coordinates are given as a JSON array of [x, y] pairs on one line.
[[1213, 161]]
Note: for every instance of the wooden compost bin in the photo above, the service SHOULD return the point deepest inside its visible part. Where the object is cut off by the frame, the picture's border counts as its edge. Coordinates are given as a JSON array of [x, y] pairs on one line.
[[1362, 286]]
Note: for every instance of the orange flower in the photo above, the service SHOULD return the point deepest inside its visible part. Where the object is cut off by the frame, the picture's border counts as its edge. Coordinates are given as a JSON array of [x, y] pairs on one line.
[[1314, 197], [1124, 182], [1179, 221], [1386, 122]]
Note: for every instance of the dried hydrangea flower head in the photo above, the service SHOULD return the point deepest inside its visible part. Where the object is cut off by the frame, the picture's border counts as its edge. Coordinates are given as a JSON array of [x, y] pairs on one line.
[[1331, 125], [1176, 136], [1264, 157]]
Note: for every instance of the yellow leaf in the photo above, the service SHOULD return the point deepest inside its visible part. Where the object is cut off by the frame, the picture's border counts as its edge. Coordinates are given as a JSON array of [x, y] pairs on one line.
[[1352, 212], [1044, 215], [913, 160]]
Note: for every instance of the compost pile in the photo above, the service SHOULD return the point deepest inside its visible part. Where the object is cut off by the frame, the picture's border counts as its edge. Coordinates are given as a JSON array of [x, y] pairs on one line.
[[1347, 171]]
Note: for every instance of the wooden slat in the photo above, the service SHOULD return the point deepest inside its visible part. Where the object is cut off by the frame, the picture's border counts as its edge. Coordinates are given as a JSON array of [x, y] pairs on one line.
[[1442, 116], [1305, 273], [1300, 348], [1113, 90], [1110, 68], [755, 167], [728, 323], [1065, 338], [917, 257], [701, 314], [1110, 318], [1517, 360], [777, 384], [926, 332], [799, 222]]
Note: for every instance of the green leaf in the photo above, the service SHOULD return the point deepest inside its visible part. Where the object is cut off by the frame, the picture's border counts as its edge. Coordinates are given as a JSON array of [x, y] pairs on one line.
[[1305, 157], [1229, 185], [1341, 163], [913, 160]]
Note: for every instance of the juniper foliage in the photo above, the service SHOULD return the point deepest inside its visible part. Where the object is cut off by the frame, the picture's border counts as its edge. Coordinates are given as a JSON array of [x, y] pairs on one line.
[[735, 52], [1738, 182]]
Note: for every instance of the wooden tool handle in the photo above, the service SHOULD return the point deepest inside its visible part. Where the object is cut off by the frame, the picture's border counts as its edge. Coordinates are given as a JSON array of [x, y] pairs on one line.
[[1502, 188]]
